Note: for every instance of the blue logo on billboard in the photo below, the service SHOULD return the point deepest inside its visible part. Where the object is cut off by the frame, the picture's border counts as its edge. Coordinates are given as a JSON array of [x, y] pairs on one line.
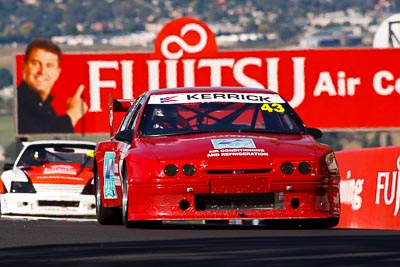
[[109, 182], [233, 143]]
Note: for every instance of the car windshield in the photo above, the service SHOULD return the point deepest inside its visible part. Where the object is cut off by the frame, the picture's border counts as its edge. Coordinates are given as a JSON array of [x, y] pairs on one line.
[[219, 116], [39, 154]]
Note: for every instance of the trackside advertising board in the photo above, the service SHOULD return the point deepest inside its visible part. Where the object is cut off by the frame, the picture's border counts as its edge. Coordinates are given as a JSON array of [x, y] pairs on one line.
[[370, 188], [329, 88]]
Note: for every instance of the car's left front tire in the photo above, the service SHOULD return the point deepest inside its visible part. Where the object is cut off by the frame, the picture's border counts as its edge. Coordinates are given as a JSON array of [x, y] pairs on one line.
[[125, 205], [125, 200], [105, 216]]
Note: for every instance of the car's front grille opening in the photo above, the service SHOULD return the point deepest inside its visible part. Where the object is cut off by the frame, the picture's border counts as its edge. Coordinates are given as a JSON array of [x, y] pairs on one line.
[[58, 203], [239, 201], [239, 171]]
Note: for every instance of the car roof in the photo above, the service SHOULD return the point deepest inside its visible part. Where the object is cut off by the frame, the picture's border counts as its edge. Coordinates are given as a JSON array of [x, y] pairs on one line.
[[67, 142], [210, 89]]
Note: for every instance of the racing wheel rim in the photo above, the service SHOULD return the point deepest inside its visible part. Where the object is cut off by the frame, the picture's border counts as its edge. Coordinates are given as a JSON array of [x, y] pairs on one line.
[[98, 194], [125, 198]]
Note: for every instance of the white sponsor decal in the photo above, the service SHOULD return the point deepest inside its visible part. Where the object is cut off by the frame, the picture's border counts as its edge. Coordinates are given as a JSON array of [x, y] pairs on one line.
[[184, 46], [388, 188], [235, 147], [60, 169], [238, 152], [233, 143], [109, 182], [350, 191], [215, 97], [54, 177]]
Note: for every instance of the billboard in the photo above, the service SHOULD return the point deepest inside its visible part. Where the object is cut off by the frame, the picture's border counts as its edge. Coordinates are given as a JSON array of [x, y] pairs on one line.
[[370, 188], [331, 89]]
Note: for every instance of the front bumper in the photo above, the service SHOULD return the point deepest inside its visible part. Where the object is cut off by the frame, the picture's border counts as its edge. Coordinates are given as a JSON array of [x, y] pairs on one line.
[[48, 204], [198, 202]]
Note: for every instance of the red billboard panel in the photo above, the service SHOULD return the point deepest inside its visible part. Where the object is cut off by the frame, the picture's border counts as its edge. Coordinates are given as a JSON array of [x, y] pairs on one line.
[[370, 188], [330, 88]]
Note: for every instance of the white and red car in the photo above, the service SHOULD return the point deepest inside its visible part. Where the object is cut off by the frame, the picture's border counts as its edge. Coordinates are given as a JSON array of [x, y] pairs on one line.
[[50, 178]]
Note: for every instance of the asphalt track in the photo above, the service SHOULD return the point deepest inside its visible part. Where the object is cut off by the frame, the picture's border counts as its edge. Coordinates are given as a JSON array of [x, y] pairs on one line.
[[44, 242]]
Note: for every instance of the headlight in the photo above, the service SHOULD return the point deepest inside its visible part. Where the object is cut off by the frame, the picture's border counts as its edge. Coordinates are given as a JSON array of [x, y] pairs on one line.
[[171, 170], [22, 187], [189, 169], [304, 167], [287, 168], [330, 161]]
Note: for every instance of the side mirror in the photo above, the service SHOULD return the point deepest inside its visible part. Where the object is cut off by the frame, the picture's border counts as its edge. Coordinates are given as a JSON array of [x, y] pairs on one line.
[[315, 132], [124, 136], [8, 166]]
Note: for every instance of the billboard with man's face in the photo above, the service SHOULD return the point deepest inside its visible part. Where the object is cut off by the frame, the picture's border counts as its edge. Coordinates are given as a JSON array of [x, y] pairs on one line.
[[331, 89]]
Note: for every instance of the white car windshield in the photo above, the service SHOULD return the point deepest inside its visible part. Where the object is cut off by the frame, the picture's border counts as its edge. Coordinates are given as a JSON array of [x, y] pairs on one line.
[[39, 154]]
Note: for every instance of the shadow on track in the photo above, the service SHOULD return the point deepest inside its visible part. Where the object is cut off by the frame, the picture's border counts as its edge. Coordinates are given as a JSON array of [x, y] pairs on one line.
[[228, 251]]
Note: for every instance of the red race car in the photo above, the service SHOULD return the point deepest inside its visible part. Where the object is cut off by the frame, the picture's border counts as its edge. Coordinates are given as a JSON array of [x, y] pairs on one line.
[[214, 153]]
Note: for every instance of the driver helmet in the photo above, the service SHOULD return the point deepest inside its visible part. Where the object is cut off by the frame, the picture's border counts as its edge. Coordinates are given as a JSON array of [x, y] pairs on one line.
[[165, 116], [39, 155]]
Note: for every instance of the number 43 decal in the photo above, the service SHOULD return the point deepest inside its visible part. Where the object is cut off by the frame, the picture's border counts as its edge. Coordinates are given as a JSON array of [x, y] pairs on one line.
[[273, 107]]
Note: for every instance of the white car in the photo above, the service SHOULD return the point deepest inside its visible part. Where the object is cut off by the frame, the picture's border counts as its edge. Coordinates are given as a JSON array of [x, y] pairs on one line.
[[50, 178]]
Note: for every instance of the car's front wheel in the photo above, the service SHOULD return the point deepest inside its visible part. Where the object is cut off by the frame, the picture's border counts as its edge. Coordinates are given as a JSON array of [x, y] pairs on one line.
[[105, 216], [125, 200], [125, 205]]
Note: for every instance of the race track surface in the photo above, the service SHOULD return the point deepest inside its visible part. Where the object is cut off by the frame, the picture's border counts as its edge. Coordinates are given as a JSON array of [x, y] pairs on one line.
[[44, 242]]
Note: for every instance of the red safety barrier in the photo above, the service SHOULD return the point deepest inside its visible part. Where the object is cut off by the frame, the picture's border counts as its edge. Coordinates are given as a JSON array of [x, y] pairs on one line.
[[370, 188]]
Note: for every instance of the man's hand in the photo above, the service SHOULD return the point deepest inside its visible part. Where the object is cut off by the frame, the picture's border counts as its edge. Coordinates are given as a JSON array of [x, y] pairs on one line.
[[76, 107]]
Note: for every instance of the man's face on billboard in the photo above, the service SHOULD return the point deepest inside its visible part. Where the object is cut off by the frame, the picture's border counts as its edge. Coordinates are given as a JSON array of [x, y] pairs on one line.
[[41, 71]]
